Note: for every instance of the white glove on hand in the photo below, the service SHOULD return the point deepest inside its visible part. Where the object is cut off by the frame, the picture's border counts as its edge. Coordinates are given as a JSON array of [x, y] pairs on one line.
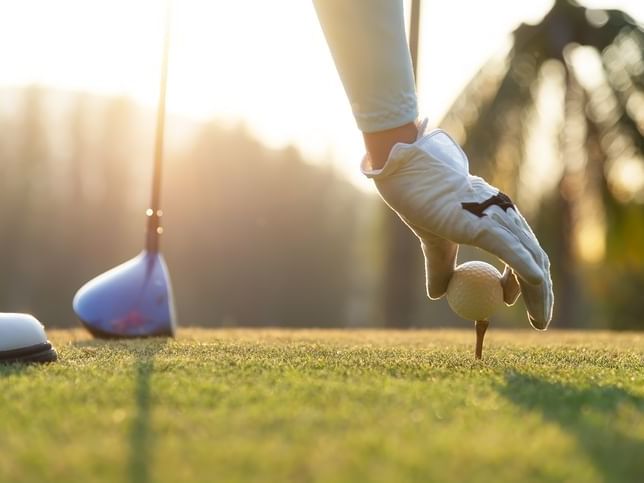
[[429, 186]]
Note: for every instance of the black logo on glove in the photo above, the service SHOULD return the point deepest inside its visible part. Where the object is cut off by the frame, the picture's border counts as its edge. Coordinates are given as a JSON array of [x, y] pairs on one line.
[[501, 200]]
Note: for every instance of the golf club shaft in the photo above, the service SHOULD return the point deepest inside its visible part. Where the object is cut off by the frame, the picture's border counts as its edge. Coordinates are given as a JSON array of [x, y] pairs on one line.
[[154, 213], [414, 33]]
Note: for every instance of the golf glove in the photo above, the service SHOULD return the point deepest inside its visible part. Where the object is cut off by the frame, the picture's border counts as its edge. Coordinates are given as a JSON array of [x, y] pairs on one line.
[[428, 185]]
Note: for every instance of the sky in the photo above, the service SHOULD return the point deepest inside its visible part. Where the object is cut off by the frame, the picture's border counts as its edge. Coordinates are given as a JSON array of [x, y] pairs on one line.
[[264, 63]]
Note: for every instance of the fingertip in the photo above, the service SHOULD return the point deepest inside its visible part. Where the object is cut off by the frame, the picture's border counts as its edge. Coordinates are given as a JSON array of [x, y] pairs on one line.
[[511, 287], [541, 326], [436, 287], [435, 295]]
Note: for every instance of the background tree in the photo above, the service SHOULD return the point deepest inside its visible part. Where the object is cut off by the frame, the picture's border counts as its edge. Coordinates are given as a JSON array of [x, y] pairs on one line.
[[589, 209], [255, 236]]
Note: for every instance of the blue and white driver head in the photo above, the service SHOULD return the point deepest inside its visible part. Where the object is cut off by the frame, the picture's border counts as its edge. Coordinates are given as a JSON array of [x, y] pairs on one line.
[[132, 300]]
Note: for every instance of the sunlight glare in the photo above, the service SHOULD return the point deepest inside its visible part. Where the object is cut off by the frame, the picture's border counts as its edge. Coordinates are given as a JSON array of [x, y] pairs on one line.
[[263, 63]]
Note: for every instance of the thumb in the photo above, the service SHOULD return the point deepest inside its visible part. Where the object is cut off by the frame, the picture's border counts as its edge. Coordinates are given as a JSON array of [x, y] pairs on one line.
[[440, 259]]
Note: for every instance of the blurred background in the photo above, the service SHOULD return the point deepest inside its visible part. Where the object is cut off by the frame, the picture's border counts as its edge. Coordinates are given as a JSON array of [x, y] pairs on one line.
[[267, 220]]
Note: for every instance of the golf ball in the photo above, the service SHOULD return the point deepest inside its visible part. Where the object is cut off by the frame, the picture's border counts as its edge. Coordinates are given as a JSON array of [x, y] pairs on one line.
[[474, 291]]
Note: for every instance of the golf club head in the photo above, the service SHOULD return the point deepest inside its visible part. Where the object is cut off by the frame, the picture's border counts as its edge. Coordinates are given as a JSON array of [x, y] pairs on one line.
[[23, 339], [131, 300]]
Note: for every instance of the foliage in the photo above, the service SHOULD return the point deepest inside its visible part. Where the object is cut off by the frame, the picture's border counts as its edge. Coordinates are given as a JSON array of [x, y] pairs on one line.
[[588, 208], [259, 237], [255, 236]]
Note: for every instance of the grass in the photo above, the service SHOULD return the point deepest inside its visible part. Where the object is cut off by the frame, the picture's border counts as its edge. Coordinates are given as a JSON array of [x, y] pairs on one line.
[[345, 406]]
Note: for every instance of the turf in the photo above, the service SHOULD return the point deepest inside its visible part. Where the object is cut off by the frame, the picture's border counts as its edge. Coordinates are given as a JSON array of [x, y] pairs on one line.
[[345, 406]]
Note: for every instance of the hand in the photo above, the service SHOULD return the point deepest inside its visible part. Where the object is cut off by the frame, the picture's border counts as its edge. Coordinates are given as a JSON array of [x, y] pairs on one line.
[[429, 186]]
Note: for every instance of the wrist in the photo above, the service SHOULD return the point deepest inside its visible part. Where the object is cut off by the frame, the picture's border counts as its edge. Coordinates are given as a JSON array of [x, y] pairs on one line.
[[380, 143]]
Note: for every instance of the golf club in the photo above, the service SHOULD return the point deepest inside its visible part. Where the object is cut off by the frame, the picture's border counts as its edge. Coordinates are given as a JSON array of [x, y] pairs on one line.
[[135, 298], [414, 34]]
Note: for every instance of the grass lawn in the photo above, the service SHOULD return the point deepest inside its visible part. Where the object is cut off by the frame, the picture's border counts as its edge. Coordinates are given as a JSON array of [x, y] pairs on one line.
[[314, 405]]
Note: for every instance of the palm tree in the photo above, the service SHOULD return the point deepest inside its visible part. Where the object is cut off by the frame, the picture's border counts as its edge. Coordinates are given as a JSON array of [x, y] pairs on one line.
[[588, 206]]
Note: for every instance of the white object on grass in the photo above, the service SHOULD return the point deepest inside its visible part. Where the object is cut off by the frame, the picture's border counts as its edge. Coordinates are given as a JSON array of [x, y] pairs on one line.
[[23, 339]]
